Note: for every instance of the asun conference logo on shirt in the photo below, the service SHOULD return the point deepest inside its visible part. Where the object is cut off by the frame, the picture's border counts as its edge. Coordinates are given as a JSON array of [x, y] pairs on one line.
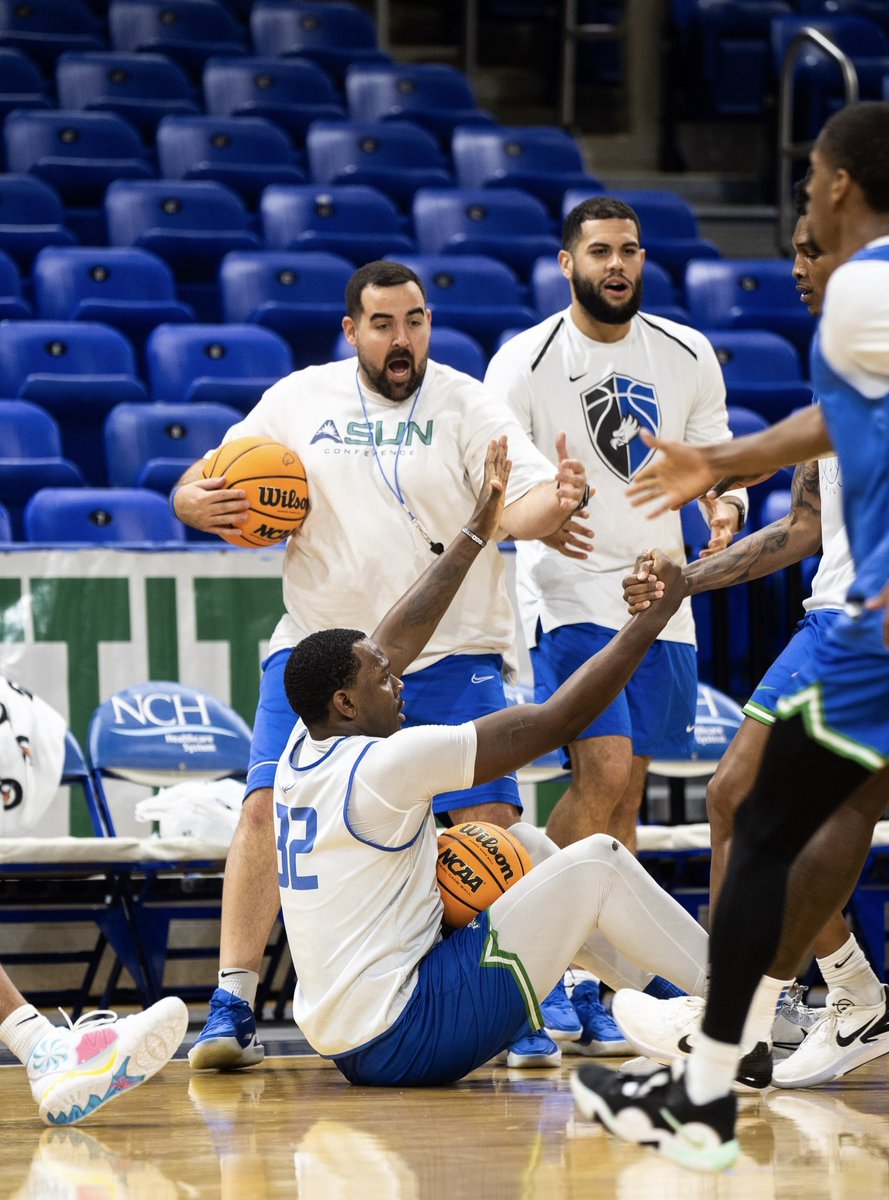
[[617, 409], [372, 433]]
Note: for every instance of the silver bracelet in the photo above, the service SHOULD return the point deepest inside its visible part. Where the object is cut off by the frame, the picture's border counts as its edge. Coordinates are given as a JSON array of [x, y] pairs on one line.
[[479, 541]]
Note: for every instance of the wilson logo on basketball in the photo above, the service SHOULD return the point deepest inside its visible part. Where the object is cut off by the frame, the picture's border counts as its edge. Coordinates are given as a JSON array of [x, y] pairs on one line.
[[484, 838], [275, 497], [475, 865]]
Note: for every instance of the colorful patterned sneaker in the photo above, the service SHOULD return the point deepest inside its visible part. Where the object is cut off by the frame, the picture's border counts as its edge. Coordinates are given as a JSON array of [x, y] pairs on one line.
[[845, 1036], [75, 1071], [560, 1019], [533, 1050], [793, 1021], [600, 1036], [228, 1041], [654, 1110], [665, 1031]]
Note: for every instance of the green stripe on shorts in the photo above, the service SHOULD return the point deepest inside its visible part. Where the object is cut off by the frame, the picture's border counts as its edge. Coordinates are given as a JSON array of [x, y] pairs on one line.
[[759, 713], [809, 704], [493, 956]]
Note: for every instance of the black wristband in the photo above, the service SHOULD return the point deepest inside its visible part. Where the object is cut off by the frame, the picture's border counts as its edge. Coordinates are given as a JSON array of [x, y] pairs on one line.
[[586, 499]]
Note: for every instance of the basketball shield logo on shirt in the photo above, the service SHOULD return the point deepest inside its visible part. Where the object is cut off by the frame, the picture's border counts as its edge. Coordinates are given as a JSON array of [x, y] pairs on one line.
[[617, 409]]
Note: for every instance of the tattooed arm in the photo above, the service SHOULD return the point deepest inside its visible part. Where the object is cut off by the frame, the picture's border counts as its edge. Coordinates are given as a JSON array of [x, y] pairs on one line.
[[761, 553]]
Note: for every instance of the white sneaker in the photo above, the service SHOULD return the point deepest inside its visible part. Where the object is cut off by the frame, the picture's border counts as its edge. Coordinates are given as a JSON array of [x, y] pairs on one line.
[[846, 1035], [75, 1071]]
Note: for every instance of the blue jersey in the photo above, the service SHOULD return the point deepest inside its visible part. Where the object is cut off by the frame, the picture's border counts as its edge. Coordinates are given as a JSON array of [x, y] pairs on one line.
[[859, 429]]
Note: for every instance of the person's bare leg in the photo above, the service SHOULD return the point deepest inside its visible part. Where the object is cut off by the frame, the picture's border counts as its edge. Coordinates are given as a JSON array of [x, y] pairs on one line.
[[250, 893], [626, 815], [10, 997], [729, 786], [601, 770], [495, 813]]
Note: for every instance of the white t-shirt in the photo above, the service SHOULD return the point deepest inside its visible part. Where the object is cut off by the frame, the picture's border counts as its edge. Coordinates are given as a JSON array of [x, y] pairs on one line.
[[836, 569], [662, 376], [358, 552], [358, 891]]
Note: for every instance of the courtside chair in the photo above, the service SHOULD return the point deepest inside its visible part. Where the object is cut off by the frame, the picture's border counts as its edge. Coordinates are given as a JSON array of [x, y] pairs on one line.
[[30, 458], [150, 445], [131, 289], [79, 154], [747, 293], [146, 735], [359, 223], [289, 92], [506, 224], [297, 294], [228, 364], [550, 290], [43, 29], [13, 306], [333, 34], [395, 156], [21, 84], [435, 96], [77, 371], [477, 294], [31, 217], [541, 159], [101, 516], [191, 226], [452, 347], [188, 31], [142, 88], [243, 153], [762, 371]]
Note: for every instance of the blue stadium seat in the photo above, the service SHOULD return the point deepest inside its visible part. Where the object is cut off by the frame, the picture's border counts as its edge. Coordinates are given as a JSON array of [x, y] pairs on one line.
[[31, 217], [288, 92], [188, 31], [79, 154], [229, 364], [747, 293], [244, 153], [21, 84], [130, 289], [449, 346], [332, 34], [744, 421], [77, 371], [150, 445], [776, 506], [189, 225], [43, 29], [432, 95], [359, 223], [474, 293], [394, 156], [104, 516], [542, 159], [142, 88], [30, 458], [762, 371], [12, 304], [298, 295], [733, 53], [551, 293], [5, 526], [506, 224]]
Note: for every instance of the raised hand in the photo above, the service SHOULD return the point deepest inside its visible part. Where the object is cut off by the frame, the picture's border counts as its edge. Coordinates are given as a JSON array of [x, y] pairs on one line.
[[488, 511], [680, 474], [570, 479]]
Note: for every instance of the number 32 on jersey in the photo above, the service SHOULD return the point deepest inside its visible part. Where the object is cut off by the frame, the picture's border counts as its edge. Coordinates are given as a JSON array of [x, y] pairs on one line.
[[297, 829]]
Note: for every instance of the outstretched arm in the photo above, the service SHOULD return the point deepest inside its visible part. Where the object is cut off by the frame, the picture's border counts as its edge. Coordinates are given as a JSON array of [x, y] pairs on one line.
[[411, 622], [514, 736], [682, 472], [545, 508]]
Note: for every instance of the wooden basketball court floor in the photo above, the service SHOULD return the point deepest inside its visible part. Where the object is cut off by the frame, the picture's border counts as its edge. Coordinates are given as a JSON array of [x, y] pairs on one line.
[[293, 1127]]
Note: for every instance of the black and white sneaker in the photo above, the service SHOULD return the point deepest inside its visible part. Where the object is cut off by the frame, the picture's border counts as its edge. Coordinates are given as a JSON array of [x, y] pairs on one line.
[[654, 1110]]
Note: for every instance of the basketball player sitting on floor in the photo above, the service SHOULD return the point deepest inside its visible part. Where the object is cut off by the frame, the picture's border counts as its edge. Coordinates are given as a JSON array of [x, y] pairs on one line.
[[380, 990]]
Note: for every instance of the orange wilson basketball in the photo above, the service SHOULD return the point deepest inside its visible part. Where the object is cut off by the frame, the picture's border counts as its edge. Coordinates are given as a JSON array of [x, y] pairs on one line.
[[476, 864], [275, 482]]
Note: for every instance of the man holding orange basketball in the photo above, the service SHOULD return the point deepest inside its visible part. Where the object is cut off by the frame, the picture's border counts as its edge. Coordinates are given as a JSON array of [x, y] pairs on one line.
[[379, 990], [391, 447]]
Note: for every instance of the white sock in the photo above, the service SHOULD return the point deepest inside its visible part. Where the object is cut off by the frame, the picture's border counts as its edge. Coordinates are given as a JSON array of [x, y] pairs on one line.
[[847, 968], [761, 1015], [711, 1069], [23, 1029], [240, 982]]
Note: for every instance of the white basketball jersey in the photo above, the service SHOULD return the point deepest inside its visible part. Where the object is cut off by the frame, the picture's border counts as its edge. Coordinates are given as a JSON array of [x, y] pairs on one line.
[[836, 570]]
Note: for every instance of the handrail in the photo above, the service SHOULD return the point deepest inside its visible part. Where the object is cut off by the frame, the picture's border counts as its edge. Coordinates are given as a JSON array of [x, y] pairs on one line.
[[788, 150]]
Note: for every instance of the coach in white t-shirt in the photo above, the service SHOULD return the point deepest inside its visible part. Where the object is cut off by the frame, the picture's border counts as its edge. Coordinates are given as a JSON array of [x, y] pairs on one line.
[[603, 371]]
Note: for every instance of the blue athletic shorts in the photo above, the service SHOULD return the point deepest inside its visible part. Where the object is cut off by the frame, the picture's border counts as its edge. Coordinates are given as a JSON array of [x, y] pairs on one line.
[[657, 707], [470, 1003], [843, 692], [781, 677], [457, 689]]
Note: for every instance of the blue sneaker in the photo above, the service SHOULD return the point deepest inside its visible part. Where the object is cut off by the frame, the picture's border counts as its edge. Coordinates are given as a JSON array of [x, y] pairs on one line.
[[228, 1040], [560, 1020], [533, 1050], [601, 1035]]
